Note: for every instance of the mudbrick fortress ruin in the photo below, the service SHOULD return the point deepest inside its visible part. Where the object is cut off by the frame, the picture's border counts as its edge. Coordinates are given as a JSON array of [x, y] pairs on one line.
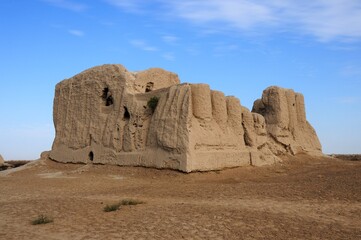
[[108, 115]]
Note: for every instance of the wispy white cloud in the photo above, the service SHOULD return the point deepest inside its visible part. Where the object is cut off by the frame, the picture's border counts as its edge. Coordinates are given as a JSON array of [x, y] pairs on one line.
[[128, 5], [326, 20], [169, 56], [69, 5], [143, 45], [237, 13], [193, 50], [170, 39], [349, 100], [225, 48], [351, 70], [77, 33], [107, 23]]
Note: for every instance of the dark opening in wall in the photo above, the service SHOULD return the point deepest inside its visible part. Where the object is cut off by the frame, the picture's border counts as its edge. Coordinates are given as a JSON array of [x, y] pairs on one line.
[[105, 93], [126, 113], [149, 87], [109, 101], [91, 156], [107, 97]]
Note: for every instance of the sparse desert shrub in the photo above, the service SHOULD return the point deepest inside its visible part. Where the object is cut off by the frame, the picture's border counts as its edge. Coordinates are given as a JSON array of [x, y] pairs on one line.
[[124, 202], [131, 202], [152, 103], [41, 219], [112, 207], [3, 167], [17, 163]]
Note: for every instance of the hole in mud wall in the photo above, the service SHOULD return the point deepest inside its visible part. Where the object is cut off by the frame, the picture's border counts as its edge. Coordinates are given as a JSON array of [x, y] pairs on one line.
[[109, 101], [149, 87], [107, 97], [126, 113], [91, 156], [105, 93]]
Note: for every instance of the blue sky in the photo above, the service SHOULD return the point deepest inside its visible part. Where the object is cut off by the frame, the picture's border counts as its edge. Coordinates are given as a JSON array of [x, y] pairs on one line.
[[237, 46]]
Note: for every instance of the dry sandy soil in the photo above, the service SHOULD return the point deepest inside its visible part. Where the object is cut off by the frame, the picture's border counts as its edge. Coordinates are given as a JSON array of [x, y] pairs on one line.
[[301, 198]]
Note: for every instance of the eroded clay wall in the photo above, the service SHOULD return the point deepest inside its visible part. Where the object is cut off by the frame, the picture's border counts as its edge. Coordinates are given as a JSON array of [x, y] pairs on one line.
[[102, 116]]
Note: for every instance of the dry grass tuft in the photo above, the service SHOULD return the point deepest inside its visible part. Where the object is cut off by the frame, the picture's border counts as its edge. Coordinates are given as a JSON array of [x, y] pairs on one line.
[[124, 202], [131, 202], [41, 219], [111, 208]]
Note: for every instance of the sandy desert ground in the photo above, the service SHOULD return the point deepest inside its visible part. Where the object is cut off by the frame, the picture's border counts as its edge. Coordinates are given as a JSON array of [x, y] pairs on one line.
[[301, 198]]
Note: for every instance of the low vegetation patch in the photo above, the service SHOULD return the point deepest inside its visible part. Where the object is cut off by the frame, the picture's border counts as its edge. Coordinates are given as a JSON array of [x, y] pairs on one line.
[[17, 163], [124, 202], [13, 164], [41, 219], [152, 103], [112, 207], [131, 202], [349, 157]]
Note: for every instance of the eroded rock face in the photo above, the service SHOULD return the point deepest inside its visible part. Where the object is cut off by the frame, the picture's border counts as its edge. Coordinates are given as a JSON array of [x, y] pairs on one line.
[[284, 113], [102, 116], [1, 160]]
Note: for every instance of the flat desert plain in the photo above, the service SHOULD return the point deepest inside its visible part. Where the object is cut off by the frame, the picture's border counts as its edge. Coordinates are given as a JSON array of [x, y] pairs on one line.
[[300, 198]]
